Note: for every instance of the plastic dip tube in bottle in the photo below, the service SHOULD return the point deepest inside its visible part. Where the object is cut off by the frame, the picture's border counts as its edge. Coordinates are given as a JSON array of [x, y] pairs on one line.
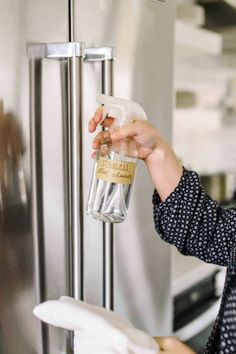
[[114, 168]]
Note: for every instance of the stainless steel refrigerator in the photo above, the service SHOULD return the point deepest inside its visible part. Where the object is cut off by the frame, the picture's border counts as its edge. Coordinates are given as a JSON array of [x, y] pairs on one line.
[[56, 56]]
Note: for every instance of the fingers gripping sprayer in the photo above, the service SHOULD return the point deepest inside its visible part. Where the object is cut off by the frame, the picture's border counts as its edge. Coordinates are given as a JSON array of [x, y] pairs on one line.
[[115, 165]]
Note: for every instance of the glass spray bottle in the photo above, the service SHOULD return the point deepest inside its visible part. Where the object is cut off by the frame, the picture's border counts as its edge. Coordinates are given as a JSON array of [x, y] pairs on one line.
[[115, 165]]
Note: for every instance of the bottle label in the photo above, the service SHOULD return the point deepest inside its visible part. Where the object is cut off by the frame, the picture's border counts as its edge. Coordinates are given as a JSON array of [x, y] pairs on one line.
[[115, 171]]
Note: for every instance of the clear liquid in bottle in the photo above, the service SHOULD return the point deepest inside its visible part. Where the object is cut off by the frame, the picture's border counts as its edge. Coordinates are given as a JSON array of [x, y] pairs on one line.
[[111, 187]]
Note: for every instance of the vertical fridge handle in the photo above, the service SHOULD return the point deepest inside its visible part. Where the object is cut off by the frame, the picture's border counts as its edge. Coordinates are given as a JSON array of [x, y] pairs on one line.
[[106, 57], [73, 162], [108, 229], [35, 76], [73, 53]]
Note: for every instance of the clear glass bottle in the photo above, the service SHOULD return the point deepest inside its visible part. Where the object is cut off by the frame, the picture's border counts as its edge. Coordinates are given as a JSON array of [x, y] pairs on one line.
[[111, 185], [115, 165]]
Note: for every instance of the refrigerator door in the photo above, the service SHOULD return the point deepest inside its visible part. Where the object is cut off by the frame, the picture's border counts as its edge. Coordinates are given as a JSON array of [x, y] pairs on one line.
[[24, 22], [142, 33]]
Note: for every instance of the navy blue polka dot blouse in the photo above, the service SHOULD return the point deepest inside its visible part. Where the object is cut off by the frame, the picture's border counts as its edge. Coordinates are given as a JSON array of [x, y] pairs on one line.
[[190, 220]]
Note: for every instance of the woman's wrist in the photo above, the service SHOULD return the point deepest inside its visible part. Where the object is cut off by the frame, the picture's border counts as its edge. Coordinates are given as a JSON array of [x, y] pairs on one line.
[[165, 169], [160, 154]]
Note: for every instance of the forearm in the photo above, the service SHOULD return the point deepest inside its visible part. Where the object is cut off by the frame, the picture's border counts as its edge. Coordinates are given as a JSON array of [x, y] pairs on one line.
[[194, 223], [165, 169]]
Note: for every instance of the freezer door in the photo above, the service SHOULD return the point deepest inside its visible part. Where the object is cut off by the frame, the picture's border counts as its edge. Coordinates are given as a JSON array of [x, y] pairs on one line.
[[24, 22], [142, 33]]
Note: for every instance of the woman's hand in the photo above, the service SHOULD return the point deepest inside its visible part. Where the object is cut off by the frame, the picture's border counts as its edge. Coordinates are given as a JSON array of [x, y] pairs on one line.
[[171, 345], [146, 137], [160, 159]]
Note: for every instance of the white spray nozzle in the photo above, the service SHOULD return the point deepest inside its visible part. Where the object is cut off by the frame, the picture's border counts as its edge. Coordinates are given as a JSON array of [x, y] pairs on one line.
[[122, 110]]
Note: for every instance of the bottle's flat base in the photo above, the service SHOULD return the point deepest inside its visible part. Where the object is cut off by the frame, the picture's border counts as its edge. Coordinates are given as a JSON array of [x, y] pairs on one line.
[[110, 218]]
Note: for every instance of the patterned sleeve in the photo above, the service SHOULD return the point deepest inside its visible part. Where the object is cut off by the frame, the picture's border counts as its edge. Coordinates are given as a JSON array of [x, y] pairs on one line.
[[190, 220]]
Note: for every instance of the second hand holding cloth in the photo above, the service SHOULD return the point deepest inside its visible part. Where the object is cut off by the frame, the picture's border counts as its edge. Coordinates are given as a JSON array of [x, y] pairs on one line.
[[96, 330]]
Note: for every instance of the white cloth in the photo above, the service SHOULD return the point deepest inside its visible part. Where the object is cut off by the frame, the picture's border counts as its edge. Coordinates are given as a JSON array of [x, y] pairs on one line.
[[96, 330]]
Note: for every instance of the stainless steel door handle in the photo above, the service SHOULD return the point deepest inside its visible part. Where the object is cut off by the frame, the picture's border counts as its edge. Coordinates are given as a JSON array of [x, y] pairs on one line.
[[108, 229], [106, 57], [36, 196], [72, 54]]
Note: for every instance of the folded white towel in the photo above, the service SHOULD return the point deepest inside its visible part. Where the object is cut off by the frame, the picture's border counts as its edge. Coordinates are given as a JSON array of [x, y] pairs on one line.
[[96, 330]]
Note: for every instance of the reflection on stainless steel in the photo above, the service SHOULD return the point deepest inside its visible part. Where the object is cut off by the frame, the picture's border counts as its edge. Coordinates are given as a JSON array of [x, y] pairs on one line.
[[15, 269], [23, 22], [13, 191], [12, 177]]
